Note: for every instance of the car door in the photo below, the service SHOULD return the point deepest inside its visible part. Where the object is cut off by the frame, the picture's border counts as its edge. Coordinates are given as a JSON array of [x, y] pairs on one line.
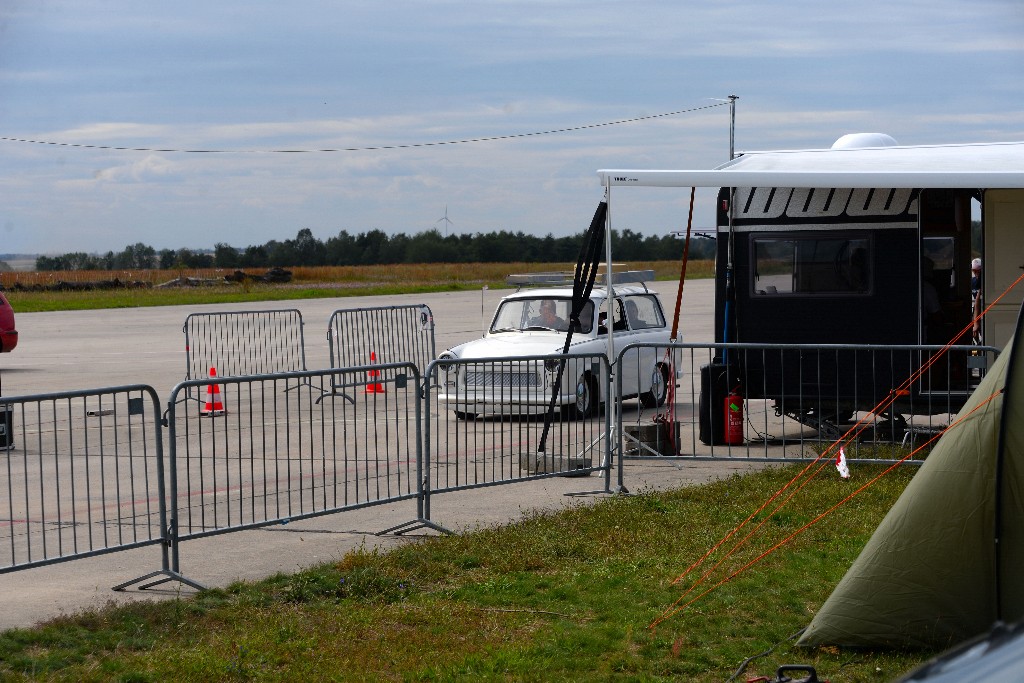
[[631, 370], [646, 323]]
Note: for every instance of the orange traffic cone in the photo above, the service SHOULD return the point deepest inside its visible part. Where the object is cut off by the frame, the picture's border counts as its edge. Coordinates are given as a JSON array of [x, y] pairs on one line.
[[213, 406], [374, 386]]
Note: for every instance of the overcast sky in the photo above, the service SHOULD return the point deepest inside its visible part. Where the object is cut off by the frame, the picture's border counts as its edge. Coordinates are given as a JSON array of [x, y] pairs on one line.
[[246, 78]]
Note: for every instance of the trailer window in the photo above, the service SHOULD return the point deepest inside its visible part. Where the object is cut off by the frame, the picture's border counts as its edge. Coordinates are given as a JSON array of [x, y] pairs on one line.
[[811, 265]]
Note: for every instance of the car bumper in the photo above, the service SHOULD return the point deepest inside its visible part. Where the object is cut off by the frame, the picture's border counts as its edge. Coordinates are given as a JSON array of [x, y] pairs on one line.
[[495, 403], [8, 340]]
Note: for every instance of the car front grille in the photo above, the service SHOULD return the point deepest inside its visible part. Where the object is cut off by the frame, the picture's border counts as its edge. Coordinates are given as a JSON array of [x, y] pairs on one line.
[[505, 379]]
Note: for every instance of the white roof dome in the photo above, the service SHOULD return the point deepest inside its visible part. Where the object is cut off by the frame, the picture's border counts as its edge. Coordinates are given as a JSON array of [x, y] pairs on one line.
[[858, 140]]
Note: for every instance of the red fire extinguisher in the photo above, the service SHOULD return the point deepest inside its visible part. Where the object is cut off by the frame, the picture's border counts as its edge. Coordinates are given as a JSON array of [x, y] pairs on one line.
[[733, 418]]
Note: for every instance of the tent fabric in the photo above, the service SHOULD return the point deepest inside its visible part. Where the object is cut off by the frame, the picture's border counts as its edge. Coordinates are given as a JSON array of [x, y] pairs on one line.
[[1011, 502], [927, 577], [988, 165]]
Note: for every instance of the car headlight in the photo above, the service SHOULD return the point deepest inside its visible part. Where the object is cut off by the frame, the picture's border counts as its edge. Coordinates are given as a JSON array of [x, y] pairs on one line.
[[447, 373]]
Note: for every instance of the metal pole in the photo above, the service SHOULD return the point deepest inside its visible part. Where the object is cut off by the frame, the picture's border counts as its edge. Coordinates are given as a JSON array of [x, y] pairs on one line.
[[732, 126], [609, 400]]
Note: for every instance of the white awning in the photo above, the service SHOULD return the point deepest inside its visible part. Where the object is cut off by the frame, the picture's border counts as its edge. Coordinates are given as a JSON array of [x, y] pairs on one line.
[[981, 165]]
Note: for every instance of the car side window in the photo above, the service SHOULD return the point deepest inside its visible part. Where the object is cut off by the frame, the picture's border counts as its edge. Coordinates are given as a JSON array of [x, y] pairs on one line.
[[643, 312], [618, 318], [586, 318]]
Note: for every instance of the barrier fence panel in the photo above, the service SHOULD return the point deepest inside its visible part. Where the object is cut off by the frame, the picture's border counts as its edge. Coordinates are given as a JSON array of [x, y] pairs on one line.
[[790, 401], [81, 473], [244, 343], [384, 334], [257, 450], [485, 420]]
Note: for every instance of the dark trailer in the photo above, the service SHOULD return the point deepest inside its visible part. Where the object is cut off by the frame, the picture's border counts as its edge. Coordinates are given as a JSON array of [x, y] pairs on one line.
[[864, 243]]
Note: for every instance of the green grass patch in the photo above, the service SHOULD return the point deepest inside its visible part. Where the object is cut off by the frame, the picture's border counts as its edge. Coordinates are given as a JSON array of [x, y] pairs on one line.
[[564, 596]]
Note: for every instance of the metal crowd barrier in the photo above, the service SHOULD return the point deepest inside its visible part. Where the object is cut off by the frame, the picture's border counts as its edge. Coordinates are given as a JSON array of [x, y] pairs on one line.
[[82, 473], [484, 421], [796, 399], [88, 472], [383, 334], [244, 343], [266, 449]]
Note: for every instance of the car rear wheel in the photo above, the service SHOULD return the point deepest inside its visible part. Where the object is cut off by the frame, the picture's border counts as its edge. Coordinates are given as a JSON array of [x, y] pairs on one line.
[[655, 398]]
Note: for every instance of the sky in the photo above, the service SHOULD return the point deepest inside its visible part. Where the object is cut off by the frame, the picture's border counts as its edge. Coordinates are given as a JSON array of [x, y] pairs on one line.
[[494, 113]]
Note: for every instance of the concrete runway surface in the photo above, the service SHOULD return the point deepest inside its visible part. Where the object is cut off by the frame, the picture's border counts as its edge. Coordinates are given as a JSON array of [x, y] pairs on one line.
[[92, 349]]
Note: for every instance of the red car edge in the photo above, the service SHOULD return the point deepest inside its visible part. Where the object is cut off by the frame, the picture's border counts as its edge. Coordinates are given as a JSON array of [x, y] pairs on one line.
[[8, 333]]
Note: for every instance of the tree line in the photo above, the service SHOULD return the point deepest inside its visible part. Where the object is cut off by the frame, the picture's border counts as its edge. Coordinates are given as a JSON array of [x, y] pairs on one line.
[[376, 248]]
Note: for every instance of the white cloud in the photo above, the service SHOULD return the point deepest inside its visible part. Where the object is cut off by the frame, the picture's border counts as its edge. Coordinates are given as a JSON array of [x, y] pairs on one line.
[[151, 168]]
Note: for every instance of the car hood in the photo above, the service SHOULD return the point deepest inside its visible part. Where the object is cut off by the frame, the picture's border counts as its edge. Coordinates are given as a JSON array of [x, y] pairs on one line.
[[511, 344]]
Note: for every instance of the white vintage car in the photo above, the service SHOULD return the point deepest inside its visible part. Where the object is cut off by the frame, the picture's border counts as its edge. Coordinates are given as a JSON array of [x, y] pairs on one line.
[[508, 371]]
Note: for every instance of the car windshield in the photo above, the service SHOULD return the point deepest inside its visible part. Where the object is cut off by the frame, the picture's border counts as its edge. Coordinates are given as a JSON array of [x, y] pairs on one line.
[[540, 314]]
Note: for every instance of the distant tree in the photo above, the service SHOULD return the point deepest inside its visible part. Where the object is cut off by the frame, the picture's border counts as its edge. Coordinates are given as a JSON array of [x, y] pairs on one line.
[[370, 246], [397, 249], [138, 256], [431, 247], [280, 254], [225, 256], [192, 259], [376, 247], [254, 257], [627, 245], [490, 247], [79, 260], [167, 259], [340, 250], [49, 263], [309, 251]]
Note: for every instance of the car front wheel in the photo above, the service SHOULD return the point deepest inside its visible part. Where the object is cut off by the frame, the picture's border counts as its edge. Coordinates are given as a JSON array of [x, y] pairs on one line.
[[655, 398], [588, 400]]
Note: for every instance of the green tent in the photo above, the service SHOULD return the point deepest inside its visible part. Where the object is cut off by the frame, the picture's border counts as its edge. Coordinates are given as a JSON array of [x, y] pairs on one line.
[[948, 560]]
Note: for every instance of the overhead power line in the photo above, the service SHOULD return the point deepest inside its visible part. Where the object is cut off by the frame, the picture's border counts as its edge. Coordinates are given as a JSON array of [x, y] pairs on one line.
[[374, 148]]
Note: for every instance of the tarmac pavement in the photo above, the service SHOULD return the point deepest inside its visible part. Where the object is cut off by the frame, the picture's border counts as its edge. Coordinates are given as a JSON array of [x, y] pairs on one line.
[[91, 349]]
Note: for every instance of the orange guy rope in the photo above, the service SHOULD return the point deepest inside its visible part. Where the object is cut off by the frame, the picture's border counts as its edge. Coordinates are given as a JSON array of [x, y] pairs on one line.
[[676, 607], [848, 436]]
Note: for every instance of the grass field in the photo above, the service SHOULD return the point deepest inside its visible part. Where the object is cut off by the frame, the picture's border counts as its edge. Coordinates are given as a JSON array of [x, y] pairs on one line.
[[307, 283], [564, 596]]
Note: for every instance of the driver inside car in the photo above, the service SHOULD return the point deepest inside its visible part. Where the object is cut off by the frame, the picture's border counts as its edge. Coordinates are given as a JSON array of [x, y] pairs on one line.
[[548, 317]]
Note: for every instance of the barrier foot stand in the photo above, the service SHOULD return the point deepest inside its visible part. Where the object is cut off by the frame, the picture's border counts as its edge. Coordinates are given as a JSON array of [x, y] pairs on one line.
[[413, 525], [305, 383], [581, 458], [333, 393], [167, 575]]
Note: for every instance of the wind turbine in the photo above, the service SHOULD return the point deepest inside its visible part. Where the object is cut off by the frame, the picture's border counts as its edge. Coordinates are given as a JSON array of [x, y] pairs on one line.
[[445, 219]]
